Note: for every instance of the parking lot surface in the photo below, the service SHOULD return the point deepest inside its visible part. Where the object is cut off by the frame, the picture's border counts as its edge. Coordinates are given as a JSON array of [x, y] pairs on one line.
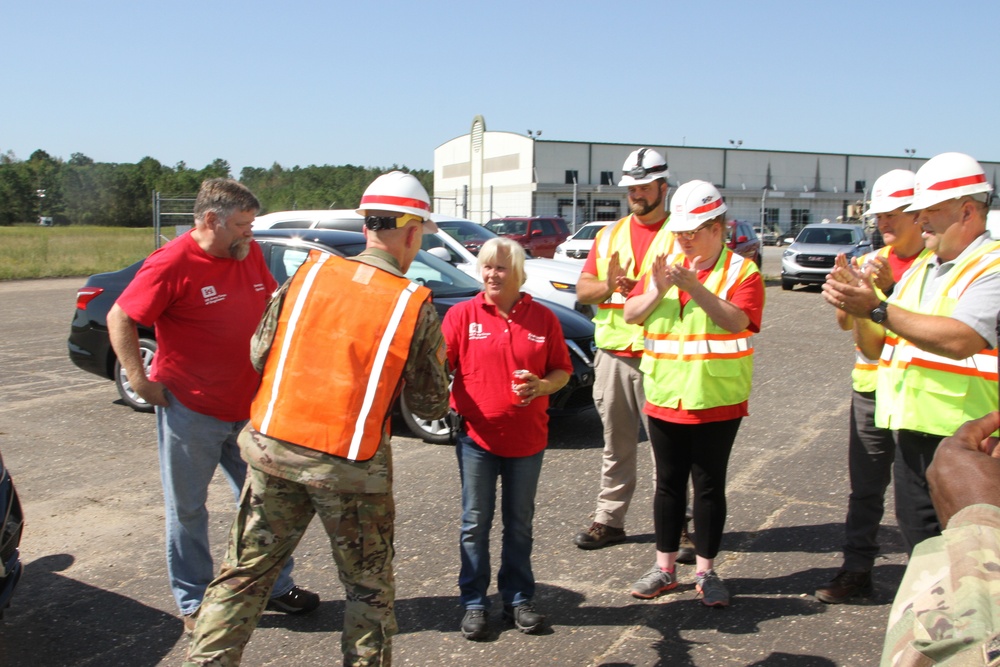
[[94, 589]]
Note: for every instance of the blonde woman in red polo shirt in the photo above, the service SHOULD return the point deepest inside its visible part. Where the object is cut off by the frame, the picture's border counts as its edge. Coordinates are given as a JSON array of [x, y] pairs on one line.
[[490, 337]]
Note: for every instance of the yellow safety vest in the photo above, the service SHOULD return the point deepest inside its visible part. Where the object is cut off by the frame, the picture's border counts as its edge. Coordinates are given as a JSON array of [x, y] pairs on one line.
[[692, 358], [611, 331], [925, 392]]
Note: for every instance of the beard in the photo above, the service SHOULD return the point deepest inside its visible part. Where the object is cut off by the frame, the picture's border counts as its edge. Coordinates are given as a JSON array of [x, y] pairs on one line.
[[239, 250], [642, 207]]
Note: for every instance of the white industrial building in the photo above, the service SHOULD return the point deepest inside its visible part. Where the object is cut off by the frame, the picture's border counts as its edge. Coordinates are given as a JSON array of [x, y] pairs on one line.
[[483, 175]]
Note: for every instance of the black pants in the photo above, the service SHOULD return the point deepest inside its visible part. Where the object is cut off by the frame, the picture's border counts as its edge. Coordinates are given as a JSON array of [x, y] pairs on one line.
[[700, 451], [914, 510]]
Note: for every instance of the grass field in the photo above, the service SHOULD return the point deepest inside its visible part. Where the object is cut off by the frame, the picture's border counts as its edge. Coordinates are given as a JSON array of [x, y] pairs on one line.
[[60, 252]]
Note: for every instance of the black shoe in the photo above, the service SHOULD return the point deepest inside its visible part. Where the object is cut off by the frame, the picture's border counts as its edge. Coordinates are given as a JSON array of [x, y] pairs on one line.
[[845, 586], [296, 601], [524, 617], [686, 554], [598, 535], [475, 624]]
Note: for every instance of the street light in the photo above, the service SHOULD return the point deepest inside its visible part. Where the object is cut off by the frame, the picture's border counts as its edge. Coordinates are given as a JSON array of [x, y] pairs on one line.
[[736, 142], [910, 151], [534, 135], [40, 193]]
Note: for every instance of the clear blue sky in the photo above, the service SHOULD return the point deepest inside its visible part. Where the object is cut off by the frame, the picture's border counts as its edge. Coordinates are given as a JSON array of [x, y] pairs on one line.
[[378, 83]]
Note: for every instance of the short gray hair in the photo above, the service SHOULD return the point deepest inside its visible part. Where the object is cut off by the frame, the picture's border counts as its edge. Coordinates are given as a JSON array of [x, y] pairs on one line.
[[489, 251], [224, 196]]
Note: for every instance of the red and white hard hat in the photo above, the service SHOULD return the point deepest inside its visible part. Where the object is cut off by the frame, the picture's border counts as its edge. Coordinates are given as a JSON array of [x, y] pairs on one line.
[[643, 166], [693, 204], [396, 191], [892, 190], [948, 176]]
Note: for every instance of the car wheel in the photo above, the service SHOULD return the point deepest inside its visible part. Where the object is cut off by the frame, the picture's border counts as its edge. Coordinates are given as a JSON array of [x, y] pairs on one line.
[[434, 431], [787, 284], [147, 348]]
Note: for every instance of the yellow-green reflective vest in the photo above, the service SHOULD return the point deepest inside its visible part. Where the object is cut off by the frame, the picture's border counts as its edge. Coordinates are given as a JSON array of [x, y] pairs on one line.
[[611, 332], [925, 392], [692, 358], [863, 375]]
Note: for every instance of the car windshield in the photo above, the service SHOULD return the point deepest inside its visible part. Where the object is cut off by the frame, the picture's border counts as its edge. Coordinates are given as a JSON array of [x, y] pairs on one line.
[[507, 226], [588, 232], [464, 231], [443, 279], [826, 236]]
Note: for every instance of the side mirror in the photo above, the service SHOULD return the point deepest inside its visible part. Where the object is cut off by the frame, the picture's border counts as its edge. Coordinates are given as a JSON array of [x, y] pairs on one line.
[[536, 232], [440, 253], [741, 239]]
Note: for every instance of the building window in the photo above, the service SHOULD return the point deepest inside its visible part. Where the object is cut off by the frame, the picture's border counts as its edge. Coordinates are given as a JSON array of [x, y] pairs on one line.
[[607, 178], [859, 186], [771, 218], [800, 218], [571, 177]]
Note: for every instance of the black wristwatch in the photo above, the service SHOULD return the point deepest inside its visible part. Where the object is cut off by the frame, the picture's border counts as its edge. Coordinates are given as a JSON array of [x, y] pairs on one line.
[[879, 313]]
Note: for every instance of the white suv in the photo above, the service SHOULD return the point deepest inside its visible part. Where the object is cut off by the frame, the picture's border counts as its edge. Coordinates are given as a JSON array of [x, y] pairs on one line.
[[456, 242]]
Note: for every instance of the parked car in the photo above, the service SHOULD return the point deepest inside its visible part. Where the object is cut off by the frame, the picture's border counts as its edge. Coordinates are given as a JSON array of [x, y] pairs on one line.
[[284, 250], [771, 237], [539, 235], [743, 240], [10, 537], [811, 255], [457, 242], [577, 247]]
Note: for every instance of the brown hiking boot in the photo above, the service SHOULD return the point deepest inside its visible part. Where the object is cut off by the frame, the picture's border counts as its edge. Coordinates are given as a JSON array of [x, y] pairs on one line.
[[845, 586], [598, 535]]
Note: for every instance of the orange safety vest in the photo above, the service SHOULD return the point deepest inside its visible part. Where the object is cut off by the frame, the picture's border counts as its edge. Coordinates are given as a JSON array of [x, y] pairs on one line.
[[337, 359]]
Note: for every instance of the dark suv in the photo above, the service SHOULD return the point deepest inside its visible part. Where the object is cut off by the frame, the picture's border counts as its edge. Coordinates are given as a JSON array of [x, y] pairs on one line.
[[538, 235]]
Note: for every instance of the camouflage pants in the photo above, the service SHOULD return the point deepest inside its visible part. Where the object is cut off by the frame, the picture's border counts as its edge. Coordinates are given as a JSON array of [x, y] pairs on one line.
[[274, 514]]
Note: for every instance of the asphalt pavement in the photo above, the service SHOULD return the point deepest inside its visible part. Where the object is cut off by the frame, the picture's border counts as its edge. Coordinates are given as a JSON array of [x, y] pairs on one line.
[[94, 589]]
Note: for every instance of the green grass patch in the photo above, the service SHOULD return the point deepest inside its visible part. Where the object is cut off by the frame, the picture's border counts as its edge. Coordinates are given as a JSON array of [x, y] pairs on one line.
[[61, 252]]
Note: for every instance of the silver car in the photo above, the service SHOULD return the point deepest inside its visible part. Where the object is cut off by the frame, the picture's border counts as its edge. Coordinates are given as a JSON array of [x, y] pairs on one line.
[[812, 254]]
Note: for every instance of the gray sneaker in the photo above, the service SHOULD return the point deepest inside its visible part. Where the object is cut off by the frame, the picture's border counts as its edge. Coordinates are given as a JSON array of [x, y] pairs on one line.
[[712, 591], [653, 583]]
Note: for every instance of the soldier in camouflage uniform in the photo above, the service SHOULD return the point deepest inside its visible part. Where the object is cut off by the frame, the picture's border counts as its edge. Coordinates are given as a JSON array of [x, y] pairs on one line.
[[947, 610], [288, 483]]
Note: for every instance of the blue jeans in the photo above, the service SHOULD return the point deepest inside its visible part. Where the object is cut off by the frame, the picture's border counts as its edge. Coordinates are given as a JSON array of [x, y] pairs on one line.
[[479, 470], [191, 446]]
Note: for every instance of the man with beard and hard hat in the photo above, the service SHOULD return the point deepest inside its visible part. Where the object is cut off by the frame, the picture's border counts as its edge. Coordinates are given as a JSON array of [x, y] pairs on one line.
[[205, 292], [935, 336], [622, 252], [870, 449], [337, 345]]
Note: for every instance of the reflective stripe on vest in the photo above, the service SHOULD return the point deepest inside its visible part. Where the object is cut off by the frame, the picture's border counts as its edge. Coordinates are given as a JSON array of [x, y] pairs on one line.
[[611, 331], [925, 392], [359, 321], [692, 359], [863, 376]]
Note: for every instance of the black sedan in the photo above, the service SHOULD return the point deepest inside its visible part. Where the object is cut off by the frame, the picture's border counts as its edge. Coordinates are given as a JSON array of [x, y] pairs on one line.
[[284, 250]]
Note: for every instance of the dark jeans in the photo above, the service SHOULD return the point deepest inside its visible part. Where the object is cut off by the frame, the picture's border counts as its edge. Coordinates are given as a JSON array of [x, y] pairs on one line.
[[870, 455], [700, 451], [914, 510], [479, 470]]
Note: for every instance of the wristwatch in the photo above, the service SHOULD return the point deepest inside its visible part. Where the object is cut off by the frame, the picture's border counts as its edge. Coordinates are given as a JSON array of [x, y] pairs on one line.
[[879, 313]]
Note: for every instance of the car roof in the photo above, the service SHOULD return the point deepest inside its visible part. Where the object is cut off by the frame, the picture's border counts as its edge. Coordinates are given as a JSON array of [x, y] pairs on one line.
[[330, 237], [833, 225]]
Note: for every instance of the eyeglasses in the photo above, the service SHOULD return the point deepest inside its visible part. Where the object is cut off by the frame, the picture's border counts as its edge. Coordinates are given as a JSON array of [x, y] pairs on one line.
[[638, 171], [691, 234], [378, 222]]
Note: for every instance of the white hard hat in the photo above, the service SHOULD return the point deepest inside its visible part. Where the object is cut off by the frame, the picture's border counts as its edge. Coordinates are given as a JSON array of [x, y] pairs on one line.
[[948, 176], [892, 190], [643, 166], [396, 191], [693, 204]]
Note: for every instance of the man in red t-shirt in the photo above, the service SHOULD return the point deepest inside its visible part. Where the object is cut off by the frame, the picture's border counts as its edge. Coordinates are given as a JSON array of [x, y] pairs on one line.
[[871, 449], [620, 255], [205, 292]]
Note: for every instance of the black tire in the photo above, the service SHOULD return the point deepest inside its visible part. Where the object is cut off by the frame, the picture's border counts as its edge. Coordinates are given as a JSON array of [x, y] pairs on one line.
[[435, 431], [147, 348], [787, 284]]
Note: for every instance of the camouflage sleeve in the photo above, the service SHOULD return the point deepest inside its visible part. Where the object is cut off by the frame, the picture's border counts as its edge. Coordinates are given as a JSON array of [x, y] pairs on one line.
[[947, 609], [426, 372], [263, 337]]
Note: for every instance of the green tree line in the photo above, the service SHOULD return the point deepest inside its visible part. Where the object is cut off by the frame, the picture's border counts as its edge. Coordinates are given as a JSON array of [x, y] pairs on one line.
[[80, 191]]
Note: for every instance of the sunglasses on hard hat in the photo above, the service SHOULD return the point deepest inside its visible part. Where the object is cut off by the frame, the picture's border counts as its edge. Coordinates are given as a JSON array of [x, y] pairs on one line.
[[377, 222]]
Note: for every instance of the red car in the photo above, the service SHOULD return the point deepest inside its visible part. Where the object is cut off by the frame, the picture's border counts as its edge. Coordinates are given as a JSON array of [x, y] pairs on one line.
[[538, 235], [743, 240]]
